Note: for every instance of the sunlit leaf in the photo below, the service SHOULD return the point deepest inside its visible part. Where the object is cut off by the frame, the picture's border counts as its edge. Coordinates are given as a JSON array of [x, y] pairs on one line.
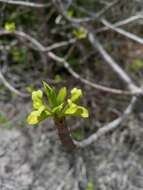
[[75, 94], [61, 95], [33, 118], [36, 116], [51, 94], [10, 26], [37, 99], [81, 112], [75, 110], [80, 33], [58, 108], [71, 108]]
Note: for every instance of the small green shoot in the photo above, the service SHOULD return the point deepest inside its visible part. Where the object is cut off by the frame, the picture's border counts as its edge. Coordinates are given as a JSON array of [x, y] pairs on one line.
[[59, 105], [80, 33], [10, 26], [136, 65], [90, 186], [70, 12]]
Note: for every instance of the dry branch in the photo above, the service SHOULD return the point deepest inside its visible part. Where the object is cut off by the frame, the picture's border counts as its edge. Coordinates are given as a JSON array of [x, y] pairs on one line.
[[25, 3], [39, 47], [113, 65]]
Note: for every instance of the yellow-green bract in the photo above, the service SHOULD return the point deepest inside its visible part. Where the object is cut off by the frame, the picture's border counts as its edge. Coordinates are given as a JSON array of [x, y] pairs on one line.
[[10, 26], [80, 33], [58, 104]]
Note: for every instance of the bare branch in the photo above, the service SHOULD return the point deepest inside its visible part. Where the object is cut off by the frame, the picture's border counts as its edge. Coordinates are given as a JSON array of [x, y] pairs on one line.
[[123, 32], [60, 44], [92, 16], [77, 76], [39, 47], [121, 23], [10, 87], [25, 3], [108, 127], [116, 68], [24, 36]]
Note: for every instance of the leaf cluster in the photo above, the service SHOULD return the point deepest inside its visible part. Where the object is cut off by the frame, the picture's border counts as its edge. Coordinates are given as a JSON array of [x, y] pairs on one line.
[[58, 106]]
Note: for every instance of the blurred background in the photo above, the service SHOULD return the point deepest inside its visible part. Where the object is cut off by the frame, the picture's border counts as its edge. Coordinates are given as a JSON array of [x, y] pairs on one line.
[[95, 45]]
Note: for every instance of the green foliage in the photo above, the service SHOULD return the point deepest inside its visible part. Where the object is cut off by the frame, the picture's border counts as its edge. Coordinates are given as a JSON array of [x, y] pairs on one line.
[[137, 65], [3, 118], [10, 26], [19, 54], [29, 88], [90, 186], [58, 104], [78, 134], [23, 19], [80, 33], [51, 94], [58, 79], [4, 121], [75, 94], [61, 95], [70, 12]]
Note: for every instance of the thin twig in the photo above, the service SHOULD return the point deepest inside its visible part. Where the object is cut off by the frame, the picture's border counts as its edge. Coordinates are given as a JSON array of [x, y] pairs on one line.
[[60, 44], [39, 47], [77, 76], [120, 23], [10, 87], [116, 68], [25, 3], [93, 16], [123, 32]]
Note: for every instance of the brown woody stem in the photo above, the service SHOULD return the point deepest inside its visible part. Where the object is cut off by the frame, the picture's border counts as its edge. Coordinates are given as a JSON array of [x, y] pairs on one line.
[[64, 134]]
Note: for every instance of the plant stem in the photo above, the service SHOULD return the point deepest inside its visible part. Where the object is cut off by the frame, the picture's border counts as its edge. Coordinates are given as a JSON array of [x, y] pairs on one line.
[[64, 134]]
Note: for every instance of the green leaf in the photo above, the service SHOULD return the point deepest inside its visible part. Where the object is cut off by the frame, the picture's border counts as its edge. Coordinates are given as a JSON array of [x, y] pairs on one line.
[[45, 115], [32, 119], [70, 12], [58, 79], [3, 118], [36, 116], [37, 99], [51, 94], [136, 65], [10, 26], [61, 95], [75, 110], [80, 33], [90, 186], [75, 94], [71, 108], [81, 112], [58, 109], [78, 134]]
